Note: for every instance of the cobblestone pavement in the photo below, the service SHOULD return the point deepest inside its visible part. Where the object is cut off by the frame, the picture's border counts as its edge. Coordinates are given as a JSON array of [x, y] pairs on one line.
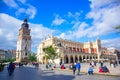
[[32, 73]]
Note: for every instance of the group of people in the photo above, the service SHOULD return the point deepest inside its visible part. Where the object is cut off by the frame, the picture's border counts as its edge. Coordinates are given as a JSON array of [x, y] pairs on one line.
[[11, 66], [50, 65], [76, 66]]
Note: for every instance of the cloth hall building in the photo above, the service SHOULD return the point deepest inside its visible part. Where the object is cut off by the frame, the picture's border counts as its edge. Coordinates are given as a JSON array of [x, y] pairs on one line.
[[71, 51]]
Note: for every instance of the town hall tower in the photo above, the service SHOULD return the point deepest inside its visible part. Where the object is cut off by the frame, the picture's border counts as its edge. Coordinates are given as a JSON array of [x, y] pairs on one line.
[[23, 42]]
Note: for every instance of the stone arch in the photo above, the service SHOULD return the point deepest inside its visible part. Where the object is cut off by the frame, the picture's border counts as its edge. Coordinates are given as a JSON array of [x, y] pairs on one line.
[[76, 58], [83, 57], [96, 57], [71, 59], [87, 57], [90, 57], [80, 58], [66, 59]]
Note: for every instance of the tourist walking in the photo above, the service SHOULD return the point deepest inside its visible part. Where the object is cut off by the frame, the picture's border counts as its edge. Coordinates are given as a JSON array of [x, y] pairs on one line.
[[51, 65], [11, 68], [73, 68], [101, 63], [78, 66], [47, 65]]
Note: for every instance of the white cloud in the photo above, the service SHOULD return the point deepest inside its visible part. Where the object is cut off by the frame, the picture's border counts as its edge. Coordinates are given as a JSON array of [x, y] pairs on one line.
[[105, 17], [69, 35], [76, 24], [39, 31], [22, 1], [102, 3], [75, 16], [30, 10], [1, 32], [81, 31], [9, 32], [62, 35], [58, 20], [111, 43], [11, 3], [10, 36], [70, 14], [20, 10]]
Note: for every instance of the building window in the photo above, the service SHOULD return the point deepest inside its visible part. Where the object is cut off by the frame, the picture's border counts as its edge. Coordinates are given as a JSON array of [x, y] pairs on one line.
[[25, 54]]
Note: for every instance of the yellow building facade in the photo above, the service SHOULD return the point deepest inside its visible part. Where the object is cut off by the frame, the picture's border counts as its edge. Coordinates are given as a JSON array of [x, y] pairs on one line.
[[70, 51]]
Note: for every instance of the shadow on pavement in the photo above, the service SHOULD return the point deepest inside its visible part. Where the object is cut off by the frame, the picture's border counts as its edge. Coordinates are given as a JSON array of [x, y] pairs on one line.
[[27, 73], [57, 77]]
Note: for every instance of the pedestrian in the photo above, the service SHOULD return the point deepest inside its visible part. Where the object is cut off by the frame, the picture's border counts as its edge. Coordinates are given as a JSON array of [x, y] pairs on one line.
[[47, 66], [94, 63], [90, 70], [60, 63], [37, 65], [51, 65], [14, 66], [10, 68], [62, 66], [78, 66], [73, 68], [101, 63]]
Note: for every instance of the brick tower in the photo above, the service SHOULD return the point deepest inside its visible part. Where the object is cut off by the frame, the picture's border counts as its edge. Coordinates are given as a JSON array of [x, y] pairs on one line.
[[23, 42]]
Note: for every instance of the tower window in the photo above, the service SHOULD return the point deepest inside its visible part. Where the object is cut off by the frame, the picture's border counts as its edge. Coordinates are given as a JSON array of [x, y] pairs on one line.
[[25, 54]]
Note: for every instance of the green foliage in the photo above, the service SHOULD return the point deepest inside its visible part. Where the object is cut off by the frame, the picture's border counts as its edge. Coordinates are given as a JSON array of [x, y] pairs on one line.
[[50, 53], [32, 58], [1, 61], [1, 67], [118, 29], [8, 60], [23, 60]]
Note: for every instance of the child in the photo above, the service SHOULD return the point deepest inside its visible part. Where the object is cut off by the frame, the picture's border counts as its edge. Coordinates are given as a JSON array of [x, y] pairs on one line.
[[90, 70]]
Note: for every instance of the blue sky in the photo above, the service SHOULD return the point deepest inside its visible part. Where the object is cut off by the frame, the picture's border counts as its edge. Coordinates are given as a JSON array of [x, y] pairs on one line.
[[77, 20]]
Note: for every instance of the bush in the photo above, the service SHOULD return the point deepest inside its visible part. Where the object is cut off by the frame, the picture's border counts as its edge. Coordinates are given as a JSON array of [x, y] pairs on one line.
[[1, 67]]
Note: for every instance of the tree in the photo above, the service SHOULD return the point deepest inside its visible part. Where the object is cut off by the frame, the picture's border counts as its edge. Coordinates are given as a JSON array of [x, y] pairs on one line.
[[9, 60], [50, 53], [118, 29], [32, 58]]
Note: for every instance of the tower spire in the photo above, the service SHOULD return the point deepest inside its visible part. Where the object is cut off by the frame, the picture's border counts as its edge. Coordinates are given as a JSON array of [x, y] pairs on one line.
[[25, 24], [25, 18]]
